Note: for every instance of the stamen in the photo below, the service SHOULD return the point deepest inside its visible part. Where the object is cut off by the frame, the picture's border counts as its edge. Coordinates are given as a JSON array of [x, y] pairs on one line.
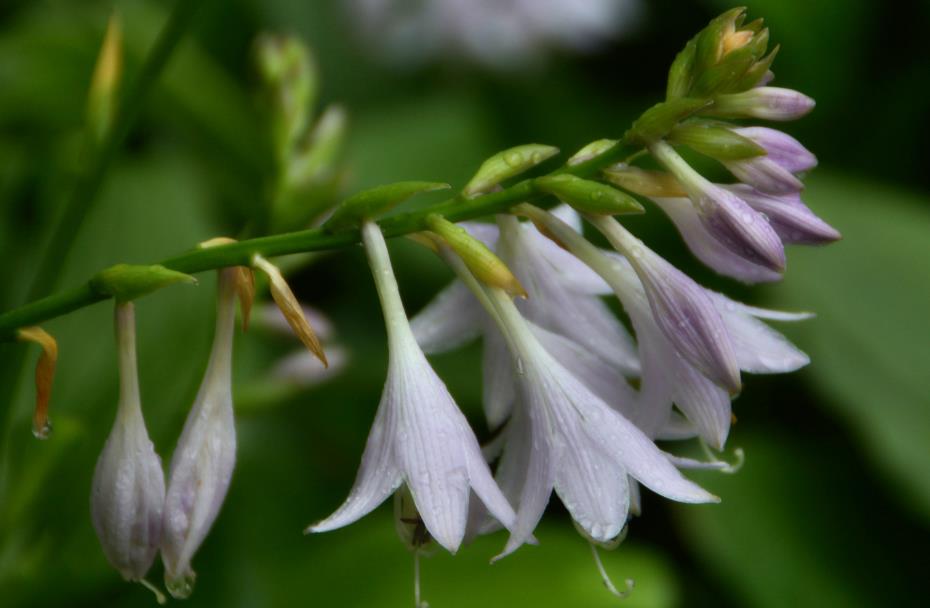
[[739, 458], [159, 596], [605, 578]]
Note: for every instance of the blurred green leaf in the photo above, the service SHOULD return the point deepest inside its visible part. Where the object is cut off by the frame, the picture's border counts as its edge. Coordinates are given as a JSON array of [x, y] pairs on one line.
[[796, 527], [870, 342]]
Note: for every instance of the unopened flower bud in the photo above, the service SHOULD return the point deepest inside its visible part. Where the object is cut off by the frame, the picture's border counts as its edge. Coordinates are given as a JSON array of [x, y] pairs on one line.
[[290, 307], [375, 202], [681, 308], [727, 217], [481, 261], [203, 461], [45, 375], [781, 148], [767, 103], [507, 164], [593, 149], [126, 282], [128, 492], [589, 196], [794, 222]]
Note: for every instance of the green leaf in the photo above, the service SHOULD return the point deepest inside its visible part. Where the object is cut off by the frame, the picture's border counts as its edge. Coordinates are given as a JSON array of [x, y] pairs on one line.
[[869, 343], [794, 528]]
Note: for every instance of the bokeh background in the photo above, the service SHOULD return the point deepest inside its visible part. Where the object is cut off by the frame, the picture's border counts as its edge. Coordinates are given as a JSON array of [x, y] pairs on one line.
[[832, 507]]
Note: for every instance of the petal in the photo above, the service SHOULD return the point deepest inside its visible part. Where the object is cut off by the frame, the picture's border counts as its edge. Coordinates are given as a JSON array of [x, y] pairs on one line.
[[741, 229], [682, 310], [569, 402], [759, 348], [497, 378], [781, 148], [378, 476], [765, 175], [484, 232], [583, 318], [529, 461], [431, 448], [569, 270], [677, 428], [593, 488], [708, 249], [604, 380], [487, 489], [698, 465], [794, 222], [451, 319], [704, 403]]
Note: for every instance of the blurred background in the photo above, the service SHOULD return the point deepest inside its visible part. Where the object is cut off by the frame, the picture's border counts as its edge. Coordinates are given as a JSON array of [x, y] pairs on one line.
[[832, 507]]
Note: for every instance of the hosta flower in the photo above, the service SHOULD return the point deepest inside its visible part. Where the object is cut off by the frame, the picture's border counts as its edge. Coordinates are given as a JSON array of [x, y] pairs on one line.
[[129, 487], [668, 376], [776, 171], [203, 460], [725, 216], [558, 301], [419, 436], [791, 219], [565, 438], [680, 307]]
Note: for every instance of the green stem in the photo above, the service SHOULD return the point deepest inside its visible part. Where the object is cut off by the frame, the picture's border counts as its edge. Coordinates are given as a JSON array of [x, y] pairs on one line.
[[455, 209]]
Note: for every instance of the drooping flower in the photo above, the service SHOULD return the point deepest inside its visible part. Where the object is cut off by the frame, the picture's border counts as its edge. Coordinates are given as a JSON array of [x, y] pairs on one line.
[[558, 301], [686, 315], [726, 217], [419, 436], [203, 461], [128, 491], [566, 439], [669, 377]]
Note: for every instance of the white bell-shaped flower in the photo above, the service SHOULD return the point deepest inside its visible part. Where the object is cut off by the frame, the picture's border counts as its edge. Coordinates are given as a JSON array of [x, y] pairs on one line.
[[129, 486], [419, 436], [203, 461]]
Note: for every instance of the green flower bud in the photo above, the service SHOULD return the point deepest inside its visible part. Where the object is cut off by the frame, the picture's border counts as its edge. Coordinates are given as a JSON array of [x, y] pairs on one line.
[[375, 202], [715, 141], [595, 148], [680, 74], [507, 164], [589, 196], [126, 282], [481, 261]]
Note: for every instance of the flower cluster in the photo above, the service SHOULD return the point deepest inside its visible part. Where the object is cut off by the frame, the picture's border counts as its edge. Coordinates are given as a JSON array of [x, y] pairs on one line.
[[137, 514], [576, 401]]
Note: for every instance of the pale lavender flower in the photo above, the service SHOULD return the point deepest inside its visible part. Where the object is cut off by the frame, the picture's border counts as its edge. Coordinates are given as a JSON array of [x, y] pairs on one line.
[[128, 492], [559, 301], [685, 314], [791, 219], [203, 461], [419, 436], [708, 248], [667, 376], [726, 217], [565, 438], [767, 103], [773, 173]]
